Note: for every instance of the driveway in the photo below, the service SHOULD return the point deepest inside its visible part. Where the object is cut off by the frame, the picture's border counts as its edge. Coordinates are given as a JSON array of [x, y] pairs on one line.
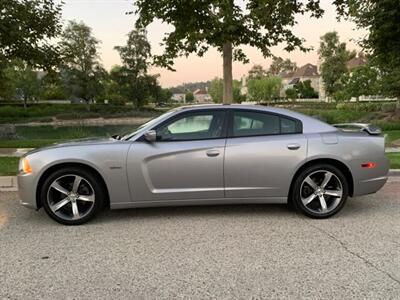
[[220, 252]]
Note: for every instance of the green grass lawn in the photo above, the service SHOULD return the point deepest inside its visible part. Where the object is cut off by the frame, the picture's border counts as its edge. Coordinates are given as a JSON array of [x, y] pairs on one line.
[[9, 165], [39, 136], [392, 135], [394, 160]]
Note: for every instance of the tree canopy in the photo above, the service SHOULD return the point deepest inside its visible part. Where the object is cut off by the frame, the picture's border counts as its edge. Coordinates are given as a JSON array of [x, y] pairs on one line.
[[225, 25], [81, 68], [381, 19], [26, 28], [264, 89], [334, 56], [280, 65]]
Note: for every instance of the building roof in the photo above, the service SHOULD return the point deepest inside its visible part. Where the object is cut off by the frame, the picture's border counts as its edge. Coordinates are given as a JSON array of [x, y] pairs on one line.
[[200, 92], [307, 70], [356, 62], [294, 81]]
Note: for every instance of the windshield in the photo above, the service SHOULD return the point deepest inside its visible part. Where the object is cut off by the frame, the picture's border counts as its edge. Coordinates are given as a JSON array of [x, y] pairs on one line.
[[149, 123]]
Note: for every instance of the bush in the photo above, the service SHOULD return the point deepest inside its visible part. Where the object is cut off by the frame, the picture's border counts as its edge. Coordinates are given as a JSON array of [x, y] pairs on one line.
[[367, 106]]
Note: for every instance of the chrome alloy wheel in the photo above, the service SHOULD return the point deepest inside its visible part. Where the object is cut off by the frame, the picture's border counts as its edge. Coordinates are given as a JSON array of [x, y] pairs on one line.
[[71, 197], [321, 192]]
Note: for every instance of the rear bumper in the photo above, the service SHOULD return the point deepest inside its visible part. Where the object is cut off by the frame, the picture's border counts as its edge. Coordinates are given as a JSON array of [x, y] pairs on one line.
[[27, 190], [369, 186]]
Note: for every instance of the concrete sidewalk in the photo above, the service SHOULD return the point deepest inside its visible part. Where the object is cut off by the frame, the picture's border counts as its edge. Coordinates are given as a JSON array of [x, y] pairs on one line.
[[8, 184]]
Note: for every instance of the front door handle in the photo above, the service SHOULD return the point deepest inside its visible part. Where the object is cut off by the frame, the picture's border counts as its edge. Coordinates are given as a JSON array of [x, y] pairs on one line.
[[293, 146], [212, 153]]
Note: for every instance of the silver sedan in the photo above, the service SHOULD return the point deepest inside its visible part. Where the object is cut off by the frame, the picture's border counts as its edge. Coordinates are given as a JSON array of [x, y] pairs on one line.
[[207, 155]]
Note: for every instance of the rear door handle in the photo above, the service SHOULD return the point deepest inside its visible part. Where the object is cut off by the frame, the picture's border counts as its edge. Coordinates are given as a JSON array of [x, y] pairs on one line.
[[212, 153], [293, 146]]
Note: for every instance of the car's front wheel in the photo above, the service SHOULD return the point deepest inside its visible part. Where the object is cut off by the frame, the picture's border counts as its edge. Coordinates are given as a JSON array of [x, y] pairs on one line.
[[320, 191], [72, 196]]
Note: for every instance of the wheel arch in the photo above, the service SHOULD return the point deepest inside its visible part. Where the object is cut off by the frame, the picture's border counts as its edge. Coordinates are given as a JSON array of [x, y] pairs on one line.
[[58, 166], [330, 161]]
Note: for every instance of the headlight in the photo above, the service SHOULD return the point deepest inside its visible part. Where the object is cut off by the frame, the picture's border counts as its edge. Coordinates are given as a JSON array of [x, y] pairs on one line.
[[24, 166]]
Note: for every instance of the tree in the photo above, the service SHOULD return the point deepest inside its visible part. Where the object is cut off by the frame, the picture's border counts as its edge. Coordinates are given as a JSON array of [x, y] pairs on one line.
[[334, 57], [24, 82], [132, 76], [165, 95], [292, 94], [189, 97], [26, 28], [363, 81], [305, 90], [216, 91], [381, 19], [52, 86], [265, 89], [256, 72], [82, 73], [280, 65], [225, 25]]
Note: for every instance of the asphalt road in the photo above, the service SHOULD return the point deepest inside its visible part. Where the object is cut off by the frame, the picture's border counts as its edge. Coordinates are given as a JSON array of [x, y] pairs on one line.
[[220, 252]]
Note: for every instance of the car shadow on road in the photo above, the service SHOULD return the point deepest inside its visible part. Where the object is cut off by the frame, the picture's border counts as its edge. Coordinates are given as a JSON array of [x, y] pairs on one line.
[[213, 211]]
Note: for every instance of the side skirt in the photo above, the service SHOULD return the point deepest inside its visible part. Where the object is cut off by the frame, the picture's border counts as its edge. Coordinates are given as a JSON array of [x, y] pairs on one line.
[[194, 202]]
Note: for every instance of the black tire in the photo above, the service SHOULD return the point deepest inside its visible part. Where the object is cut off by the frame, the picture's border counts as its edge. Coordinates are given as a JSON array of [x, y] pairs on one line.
[[89, 177], [297, 191]]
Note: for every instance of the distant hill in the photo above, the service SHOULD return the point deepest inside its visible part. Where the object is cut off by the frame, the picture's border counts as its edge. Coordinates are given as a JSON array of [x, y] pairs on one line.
[[190, 87]]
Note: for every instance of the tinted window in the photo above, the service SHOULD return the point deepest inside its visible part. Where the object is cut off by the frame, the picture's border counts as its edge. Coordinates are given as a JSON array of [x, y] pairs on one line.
[[253, 123], [195, 126], [247, 123], [288, 126]]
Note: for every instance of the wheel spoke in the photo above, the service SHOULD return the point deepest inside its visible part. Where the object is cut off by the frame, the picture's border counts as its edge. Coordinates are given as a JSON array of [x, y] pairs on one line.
[[87, 198], [311, 183], [309, 199], [333, 193], [327, 178], [322, 201], [75, 210], [60, 204], [77, 182], [55, 185]]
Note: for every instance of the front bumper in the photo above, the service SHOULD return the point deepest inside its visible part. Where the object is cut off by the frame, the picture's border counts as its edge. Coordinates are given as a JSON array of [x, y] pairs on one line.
[[27, 190]]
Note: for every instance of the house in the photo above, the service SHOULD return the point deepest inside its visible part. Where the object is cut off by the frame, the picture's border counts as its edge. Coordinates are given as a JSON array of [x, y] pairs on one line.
[[179, 97], [201, 96], [356, 62], [304, 73]]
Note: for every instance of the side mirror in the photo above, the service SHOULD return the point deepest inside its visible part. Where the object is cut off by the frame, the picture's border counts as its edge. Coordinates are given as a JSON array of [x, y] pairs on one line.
[[150, 136]]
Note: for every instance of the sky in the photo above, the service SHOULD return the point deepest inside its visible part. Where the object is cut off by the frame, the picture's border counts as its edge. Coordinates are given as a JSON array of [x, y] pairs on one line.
[[111, 24]]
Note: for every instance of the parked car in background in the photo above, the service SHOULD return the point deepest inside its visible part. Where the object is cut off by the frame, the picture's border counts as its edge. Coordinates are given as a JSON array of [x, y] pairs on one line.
[[205, 155]]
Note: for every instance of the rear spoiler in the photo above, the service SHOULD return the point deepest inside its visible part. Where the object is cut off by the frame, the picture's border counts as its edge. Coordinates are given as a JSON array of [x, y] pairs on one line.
[[368, 128]]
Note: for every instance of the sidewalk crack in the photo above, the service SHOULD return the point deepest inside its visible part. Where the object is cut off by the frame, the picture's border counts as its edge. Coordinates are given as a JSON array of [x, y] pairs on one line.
[[345, 247]]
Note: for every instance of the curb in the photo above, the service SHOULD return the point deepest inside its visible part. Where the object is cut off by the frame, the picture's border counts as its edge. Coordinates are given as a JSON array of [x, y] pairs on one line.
[[394, 172], [8, 184]]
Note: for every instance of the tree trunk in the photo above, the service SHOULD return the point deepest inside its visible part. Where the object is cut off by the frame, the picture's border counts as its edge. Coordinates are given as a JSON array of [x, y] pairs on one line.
[[227, 58]]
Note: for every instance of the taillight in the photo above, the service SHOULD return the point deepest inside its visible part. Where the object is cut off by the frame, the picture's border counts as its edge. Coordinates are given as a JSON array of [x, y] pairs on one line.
[[368, 165]]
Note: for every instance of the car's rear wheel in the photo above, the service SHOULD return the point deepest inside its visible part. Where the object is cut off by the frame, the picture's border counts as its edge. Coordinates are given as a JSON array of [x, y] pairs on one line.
[[320, 191], [72, 196]]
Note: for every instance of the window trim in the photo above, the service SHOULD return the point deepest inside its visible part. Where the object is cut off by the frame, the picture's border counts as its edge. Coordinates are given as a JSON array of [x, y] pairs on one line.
[[224, 133], [299, 124]]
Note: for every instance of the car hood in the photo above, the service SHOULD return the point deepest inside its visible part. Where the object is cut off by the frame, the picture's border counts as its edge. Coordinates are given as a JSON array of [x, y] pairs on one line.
[[74, 143]]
